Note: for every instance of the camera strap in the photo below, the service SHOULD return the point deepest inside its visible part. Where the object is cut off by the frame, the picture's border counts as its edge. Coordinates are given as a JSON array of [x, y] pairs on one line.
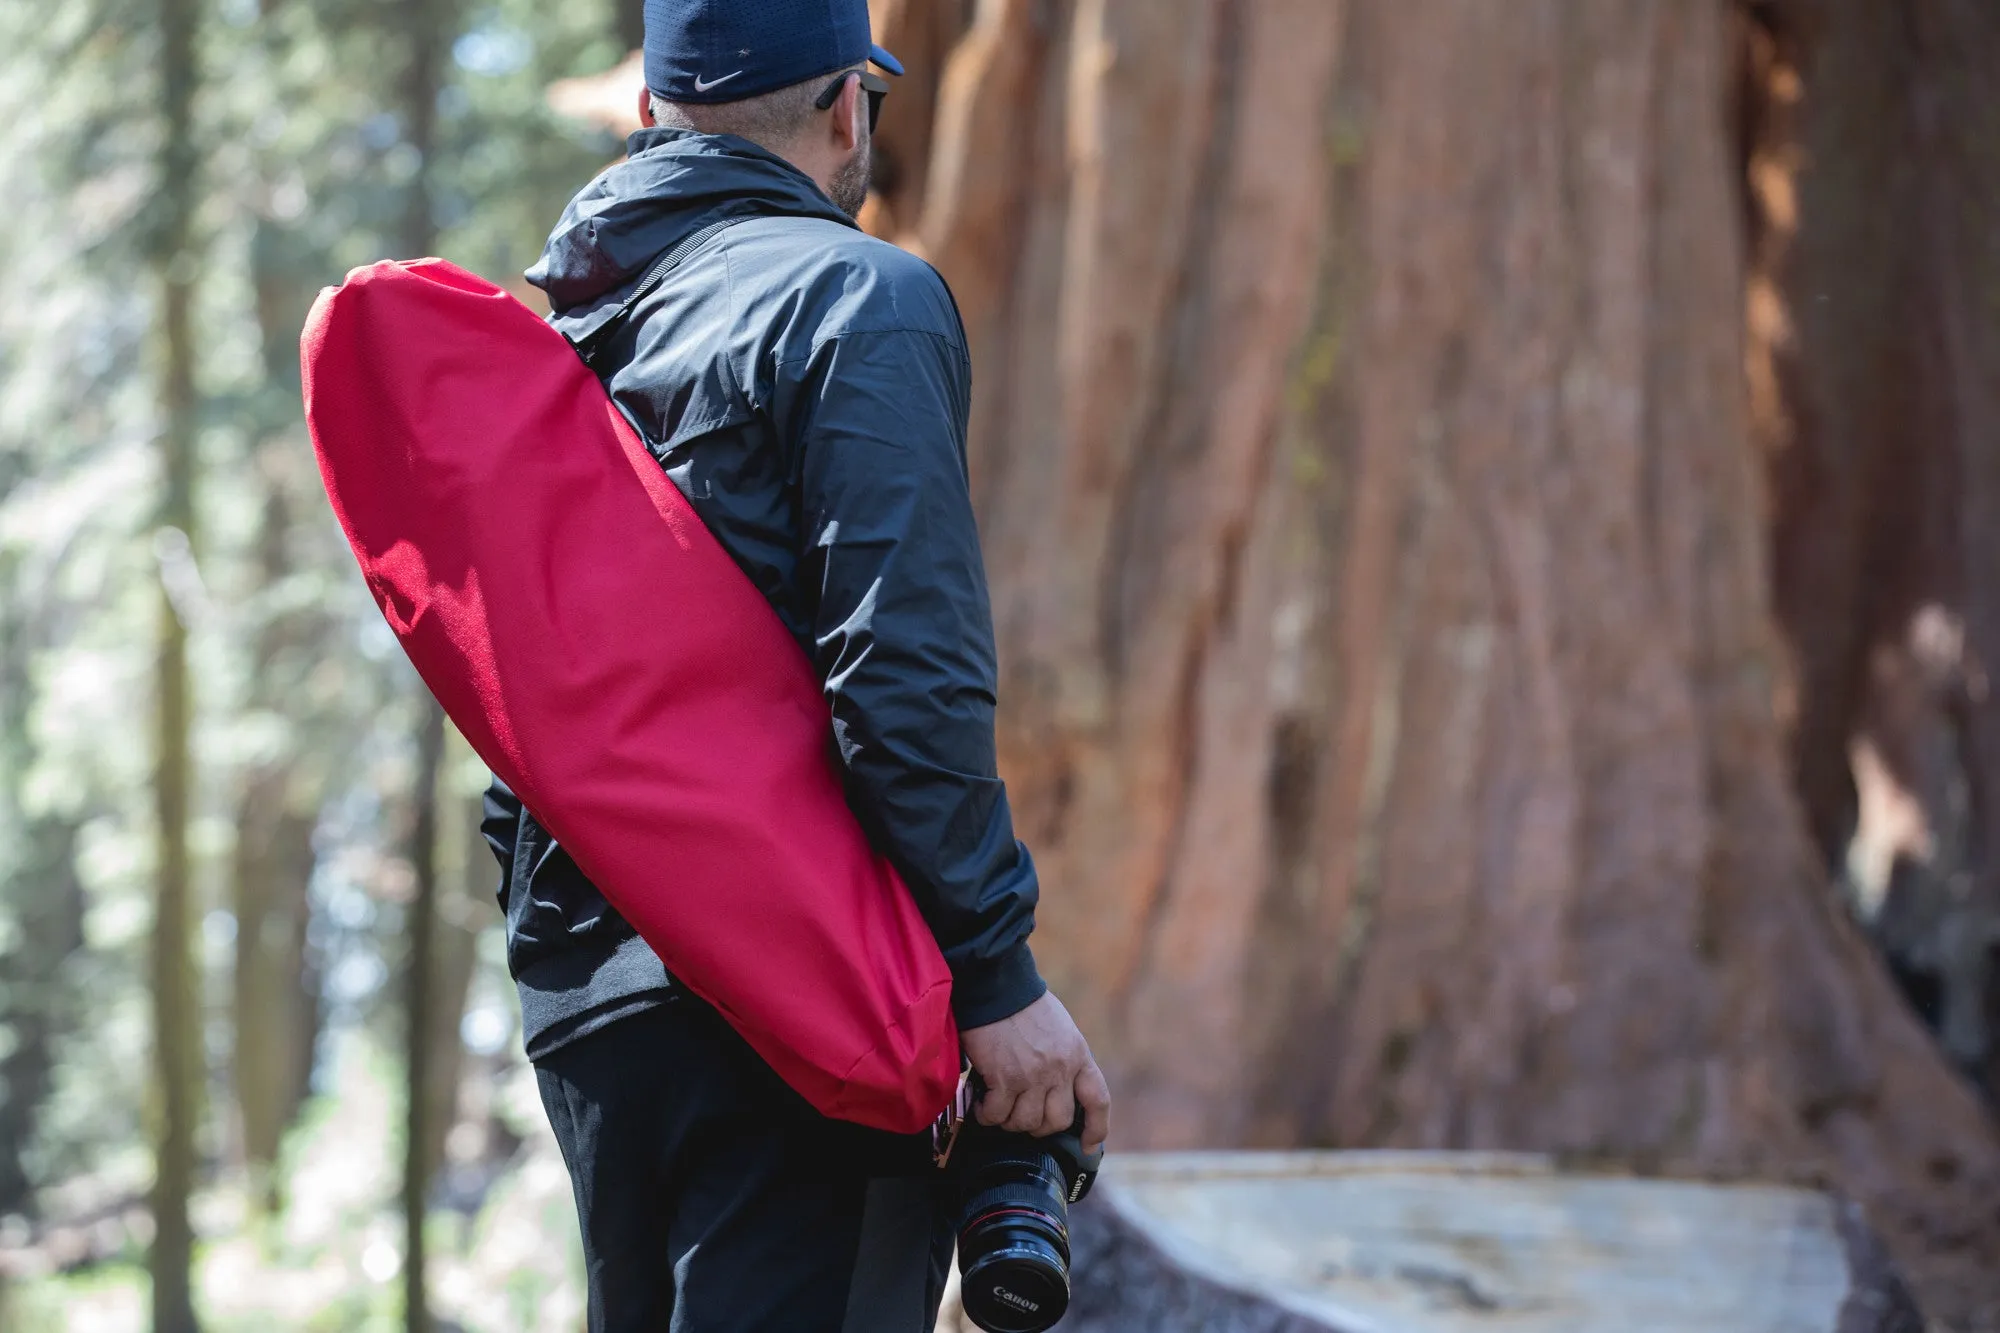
[[945, 1130]]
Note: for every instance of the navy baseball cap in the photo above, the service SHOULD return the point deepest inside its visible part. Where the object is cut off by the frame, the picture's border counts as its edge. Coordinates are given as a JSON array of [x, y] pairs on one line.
[[726, 50]]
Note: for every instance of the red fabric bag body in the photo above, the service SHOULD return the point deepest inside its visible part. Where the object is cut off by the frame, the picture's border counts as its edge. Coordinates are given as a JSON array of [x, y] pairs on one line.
[[613, 666]]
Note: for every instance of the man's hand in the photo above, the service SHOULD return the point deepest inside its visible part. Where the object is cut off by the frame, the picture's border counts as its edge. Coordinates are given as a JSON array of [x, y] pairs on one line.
[[1038, 1068]]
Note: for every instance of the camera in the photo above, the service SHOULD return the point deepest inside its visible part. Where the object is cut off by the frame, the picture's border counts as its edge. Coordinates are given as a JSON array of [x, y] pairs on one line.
[[1013, 1229]]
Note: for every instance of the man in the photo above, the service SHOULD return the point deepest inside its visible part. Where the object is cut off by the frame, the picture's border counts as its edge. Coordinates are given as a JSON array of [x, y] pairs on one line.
[[807, 388]]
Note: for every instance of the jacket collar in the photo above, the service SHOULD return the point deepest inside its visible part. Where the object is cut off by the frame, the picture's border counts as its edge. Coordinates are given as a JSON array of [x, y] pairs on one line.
[[673, 183]]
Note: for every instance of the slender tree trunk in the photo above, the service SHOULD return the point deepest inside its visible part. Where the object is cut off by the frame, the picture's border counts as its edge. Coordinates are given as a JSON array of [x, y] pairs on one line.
[[276, 991], [48, 905], [176, 1011], [430, 24], [628, 21], [277, 1007], [419, 1009], [45, 901], [276, 994], [463, 880], [1380, 569]]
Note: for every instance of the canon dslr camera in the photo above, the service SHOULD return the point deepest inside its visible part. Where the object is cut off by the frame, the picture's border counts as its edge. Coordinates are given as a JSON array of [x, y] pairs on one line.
[[1013, 1228]]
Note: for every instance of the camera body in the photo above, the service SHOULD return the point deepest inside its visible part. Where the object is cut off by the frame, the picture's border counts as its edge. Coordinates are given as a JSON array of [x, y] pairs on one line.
[[1013, 1231]]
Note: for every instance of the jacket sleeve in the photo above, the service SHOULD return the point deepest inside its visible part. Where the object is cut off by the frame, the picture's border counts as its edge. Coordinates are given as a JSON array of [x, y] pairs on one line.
[[903, 640], [500, 825]]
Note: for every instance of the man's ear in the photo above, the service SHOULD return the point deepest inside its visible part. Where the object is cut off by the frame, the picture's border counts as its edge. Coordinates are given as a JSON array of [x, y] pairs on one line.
[[848, 109], [646, 107]]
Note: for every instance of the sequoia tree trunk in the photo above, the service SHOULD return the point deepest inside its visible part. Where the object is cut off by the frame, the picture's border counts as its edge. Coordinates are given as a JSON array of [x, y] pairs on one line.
[[921, 33], [1380, 572]]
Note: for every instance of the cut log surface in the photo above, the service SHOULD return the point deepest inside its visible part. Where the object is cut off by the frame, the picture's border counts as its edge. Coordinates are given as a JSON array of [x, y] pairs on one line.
[[1465, 1243]]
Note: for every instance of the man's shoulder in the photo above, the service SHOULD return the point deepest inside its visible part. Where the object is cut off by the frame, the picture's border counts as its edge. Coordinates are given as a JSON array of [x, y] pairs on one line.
[[823, 243], [827, 280]]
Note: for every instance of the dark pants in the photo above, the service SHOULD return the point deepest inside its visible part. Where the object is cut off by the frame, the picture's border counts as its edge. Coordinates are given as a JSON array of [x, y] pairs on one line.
[[713, 1199]]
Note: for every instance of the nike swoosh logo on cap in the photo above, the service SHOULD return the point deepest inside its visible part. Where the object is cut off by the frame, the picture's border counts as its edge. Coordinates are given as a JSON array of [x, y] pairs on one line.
[[702, 87]]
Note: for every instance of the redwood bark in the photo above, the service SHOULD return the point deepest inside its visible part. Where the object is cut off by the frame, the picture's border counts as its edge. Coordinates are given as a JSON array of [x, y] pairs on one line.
[[1380, 561], [920, 33], [1132, 312]]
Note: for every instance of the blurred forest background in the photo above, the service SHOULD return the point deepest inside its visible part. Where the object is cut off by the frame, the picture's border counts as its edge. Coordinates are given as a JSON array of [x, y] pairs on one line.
[[1493, 509]]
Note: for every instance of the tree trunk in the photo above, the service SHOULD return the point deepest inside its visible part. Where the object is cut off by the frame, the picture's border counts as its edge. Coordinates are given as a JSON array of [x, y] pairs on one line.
[[463, 888], [276, 989], [276, 994], [1380, 574], [43, 897], [1874, 178], [628, 22], [1132, 312], [177, 1046], [1420, 1243], [419, 1020], [921, 34], [429, 27], [47, 907]]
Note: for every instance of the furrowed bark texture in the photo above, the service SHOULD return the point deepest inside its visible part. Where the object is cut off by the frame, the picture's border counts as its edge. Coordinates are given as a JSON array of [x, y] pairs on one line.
[[1382, 581], [1132, 311], [921, 34]]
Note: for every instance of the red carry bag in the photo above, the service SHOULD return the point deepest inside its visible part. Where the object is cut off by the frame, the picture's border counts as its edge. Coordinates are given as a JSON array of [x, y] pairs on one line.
[[614, 667]]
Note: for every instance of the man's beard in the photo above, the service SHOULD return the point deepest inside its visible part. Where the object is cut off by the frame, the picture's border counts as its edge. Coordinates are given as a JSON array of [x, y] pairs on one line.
[[849, 190]]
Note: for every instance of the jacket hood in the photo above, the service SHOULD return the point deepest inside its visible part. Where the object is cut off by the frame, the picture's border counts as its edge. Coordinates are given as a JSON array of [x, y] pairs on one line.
[[673, 183]]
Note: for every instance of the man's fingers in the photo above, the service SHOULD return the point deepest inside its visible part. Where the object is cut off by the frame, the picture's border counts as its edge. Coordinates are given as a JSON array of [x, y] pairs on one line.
[[1058, 1110], [1029, 1111], [996, 1107], [1039, 1069], [1095, 1095]]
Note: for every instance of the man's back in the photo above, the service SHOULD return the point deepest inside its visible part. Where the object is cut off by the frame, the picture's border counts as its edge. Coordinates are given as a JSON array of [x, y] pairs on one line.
[[807, 388], [710, 368]]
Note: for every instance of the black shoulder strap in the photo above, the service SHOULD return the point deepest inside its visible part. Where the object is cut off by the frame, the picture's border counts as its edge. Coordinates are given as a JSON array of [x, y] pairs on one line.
[[592, 345]]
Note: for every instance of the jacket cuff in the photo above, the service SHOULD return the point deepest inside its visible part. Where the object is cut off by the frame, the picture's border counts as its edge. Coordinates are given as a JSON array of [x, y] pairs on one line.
[[986, 990]]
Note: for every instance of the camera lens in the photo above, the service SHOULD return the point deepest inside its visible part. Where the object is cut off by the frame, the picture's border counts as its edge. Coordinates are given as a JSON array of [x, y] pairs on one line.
[[1013, 1249]]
